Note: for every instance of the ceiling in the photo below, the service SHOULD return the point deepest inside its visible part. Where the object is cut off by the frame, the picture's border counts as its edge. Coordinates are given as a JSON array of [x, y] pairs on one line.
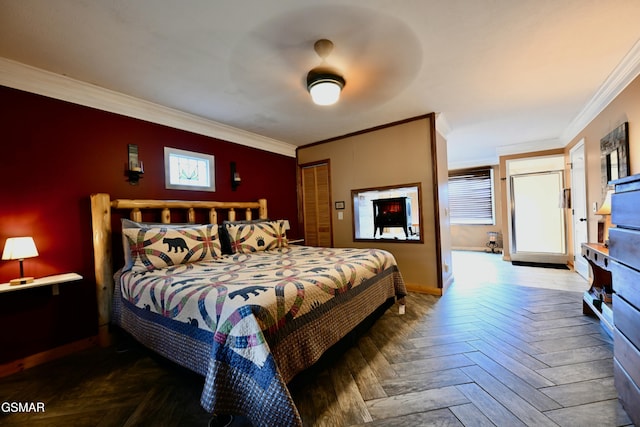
[[505, 76]]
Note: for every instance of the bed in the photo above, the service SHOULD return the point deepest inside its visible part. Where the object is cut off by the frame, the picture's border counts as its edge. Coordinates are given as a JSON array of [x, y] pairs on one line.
[[232, 300]]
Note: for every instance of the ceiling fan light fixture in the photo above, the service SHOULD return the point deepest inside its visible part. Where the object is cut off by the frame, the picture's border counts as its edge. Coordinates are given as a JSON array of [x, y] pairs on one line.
[[323, 83], [324, 87]]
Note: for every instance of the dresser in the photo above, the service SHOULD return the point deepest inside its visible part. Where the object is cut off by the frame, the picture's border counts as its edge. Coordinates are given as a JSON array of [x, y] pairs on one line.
[[624, 252]]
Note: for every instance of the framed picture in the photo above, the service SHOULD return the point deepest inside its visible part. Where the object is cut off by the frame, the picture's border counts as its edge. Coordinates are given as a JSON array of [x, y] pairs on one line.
[[339, 205], [187, 170], [614, 156]]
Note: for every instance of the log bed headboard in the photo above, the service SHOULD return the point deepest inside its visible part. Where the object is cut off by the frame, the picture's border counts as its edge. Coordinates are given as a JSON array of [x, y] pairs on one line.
[[101, 206]]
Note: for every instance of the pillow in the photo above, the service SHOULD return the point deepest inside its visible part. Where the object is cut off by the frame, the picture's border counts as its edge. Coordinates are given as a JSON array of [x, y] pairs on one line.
[[255, 237], [158, 247], [223, 234], [128, 223]]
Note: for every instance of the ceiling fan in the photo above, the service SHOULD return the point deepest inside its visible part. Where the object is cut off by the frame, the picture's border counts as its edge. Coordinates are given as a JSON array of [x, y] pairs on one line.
[[323, 83]]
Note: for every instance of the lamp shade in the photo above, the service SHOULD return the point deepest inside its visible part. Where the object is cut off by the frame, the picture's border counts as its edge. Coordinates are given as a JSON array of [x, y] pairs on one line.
[[19, 248], [324, 87], [605, 208]]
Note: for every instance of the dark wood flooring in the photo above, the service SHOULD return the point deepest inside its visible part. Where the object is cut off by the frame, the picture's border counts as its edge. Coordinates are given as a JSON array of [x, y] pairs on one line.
[[490, 352]]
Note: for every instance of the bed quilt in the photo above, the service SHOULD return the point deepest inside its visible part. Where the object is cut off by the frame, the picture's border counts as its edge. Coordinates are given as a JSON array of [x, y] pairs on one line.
[[257, 311]]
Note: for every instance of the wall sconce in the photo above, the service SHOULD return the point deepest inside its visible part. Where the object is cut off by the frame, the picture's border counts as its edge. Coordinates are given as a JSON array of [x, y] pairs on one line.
[[20, 248], [235, 177], [605, 211], [134, 169]]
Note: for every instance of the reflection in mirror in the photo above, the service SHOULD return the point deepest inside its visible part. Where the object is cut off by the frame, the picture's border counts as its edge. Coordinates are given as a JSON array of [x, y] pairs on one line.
[[387, 213]]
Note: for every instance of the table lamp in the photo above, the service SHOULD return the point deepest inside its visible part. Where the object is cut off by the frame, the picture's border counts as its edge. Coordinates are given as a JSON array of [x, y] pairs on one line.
[[605, 211], [20, 248]]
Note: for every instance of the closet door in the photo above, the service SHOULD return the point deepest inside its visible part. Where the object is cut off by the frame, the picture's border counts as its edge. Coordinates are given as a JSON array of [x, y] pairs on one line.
[[316, 204]]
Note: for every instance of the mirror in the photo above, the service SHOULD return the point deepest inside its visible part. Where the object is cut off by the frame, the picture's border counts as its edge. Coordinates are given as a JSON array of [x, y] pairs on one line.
[[614, 155]]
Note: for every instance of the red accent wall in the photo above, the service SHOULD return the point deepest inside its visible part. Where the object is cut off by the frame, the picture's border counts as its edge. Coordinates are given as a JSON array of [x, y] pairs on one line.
[[54, 155]]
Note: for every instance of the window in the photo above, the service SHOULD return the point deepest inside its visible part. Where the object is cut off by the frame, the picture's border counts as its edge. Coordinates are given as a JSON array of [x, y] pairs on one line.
[[186, 170], [392, 213], [471, 196]]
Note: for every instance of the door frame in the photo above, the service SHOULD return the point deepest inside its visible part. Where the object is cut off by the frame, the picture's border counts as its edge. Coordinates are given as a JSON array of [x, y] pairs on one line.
[[509, 173], [580, 265]]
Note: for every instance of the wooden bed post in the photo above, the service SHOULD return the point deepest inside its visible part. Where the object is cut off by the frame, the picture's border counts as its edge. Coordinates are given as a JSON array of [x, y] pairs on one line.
[[262, 213], [101, 223]]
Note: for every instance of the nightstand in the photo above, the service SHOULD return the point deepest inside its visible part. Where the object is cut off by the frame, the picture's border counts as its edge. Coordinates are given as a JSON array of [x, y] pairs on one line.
[[52, 281]]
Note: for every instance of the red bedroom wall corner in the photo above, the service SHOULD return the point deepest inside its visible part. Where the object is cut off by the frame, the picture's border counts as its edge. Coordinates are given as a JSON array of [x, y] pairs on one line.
[[55, 154]]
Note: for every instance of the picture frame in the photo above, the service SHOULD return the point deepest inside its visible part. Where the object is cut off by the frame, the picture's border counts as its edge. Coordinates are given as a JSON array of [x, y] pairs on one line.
[[339, 205], [188, 170]]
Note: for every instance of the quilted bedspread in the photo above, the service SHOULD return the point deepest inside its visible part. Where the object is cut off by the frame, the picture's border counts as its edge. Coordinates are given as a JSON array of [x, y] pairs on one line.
[[264, 317]]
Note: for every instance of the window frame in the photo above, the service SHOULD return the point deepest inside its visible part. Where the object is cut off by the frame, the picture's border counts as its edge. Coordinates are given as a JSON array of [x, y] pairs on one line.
[[207, 160], [480, 176], [417, 235]]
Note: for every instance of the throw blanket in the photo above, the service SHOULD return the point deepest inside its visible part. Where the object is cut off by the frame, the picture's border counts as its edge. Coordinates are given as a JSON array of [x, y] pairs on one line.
[[267, 316]]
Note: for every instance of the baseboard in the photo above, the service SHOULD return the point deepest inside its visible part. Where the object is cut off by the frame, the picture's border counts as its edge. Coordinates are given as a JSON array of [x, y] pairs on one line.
[[46, 356], [477, 249], [448, 282], [422, 290]]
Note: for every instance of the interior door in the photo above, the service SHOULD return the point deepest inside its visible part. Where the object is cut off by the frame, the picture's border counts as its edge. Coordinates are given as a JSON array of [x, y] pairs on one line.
[[537, 219], [316, 205], [579, 207]]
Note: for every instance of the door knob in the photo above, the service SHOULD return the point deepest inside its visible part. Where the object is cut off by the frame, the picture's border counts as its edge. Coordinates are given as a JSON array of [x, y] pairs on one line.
[[583, 219]]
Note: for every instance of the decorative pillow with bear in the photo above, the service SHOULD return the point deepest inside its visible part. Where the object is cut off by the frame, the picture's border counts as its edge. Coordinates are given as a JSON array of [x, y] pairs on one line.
[[223, 233], [160, 246], [255, 237], [128, 223]]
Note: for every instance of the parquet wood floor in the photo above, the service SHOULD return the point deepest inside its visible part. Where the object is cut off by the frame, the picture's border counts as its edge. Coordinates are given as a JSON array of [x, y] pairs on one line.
[[506, 346]]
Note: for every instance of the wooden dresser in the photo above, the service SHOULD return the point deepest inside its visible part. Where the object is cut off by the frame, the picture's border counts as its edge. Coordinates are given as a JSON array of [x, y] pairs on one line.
[[624, 251]]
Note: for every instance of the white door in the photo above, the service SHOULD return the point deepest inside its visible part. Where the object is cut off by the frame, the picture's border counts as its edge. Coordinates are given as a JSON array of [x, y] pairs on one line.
[[537, 220], [579, 207]]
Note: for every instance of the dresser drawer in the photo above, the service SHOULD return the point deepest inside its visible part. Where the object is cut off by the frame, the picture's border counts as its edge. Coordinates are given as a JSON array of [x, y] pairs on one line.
[[626, 319], [626, 283], [624, 246], [624, 211], [627, 355], [628, 392]]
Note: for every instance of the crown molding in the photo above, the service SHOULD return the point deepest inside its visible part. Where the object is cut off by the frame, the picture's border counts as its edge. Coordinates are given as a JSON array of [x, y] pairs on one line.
[[529, 147], [30, 79], [486, 161], [626, 71]]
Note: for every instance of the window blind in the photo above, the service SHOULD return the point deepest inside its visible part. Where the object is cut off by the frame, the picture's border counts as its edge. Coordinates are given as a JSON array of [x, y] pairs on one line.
[[471, 196]]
